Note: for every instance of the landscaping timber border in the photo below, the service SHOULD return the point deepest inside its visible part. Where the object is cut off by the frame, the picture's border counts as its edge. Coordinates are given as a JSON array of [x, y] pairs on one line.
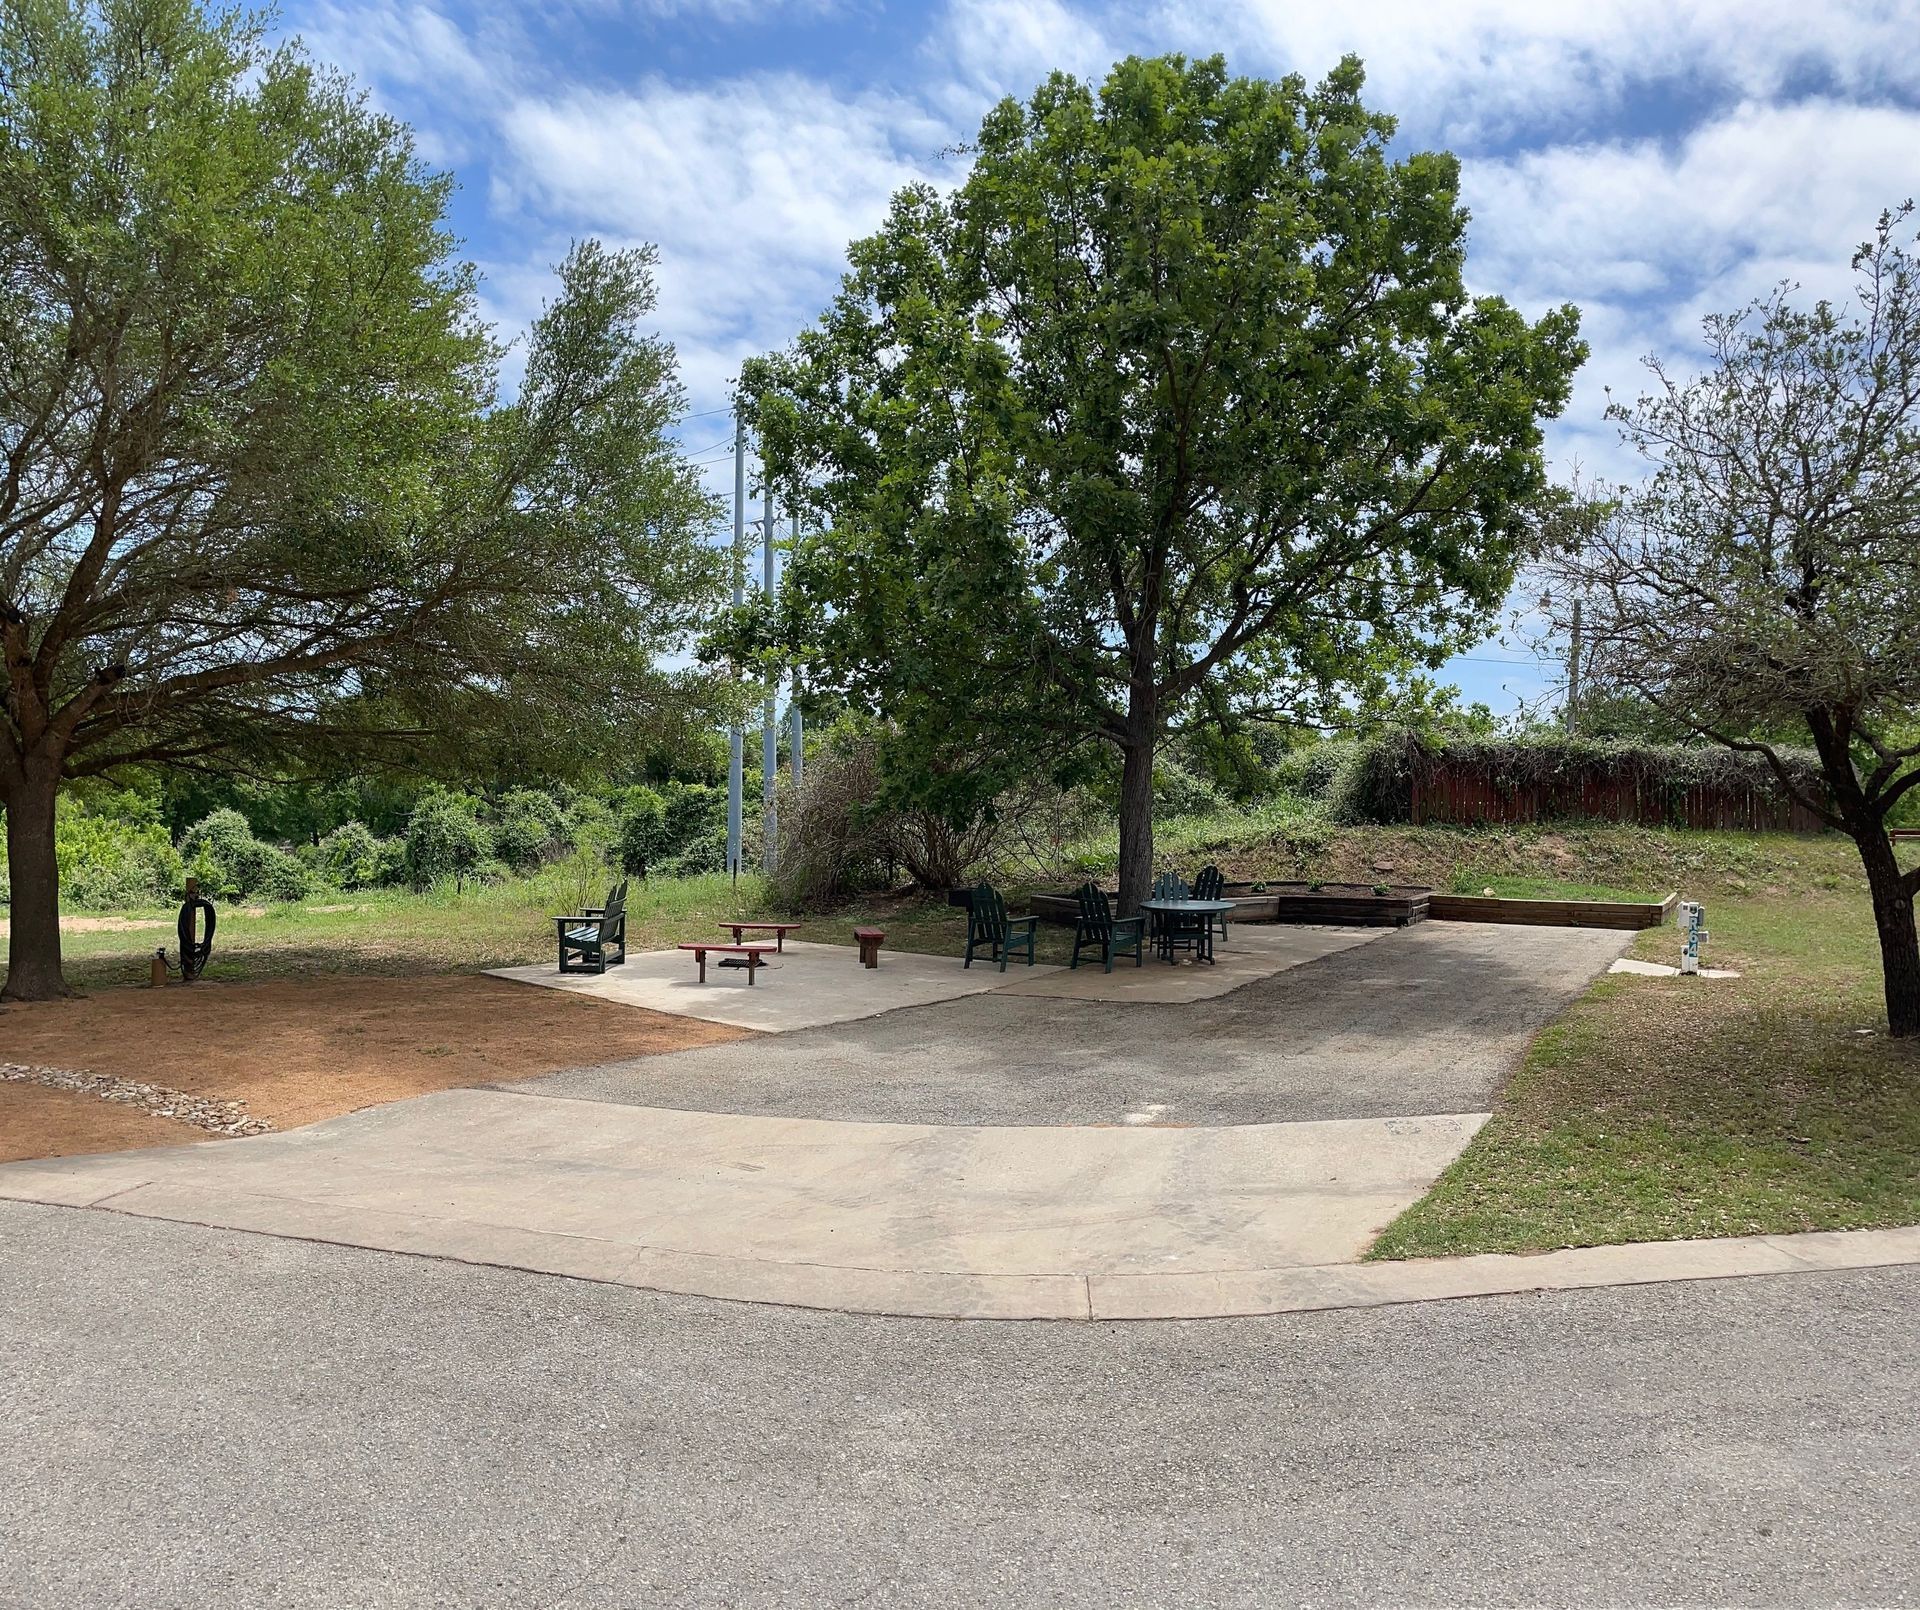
[[1552, 913], [1343, 904]]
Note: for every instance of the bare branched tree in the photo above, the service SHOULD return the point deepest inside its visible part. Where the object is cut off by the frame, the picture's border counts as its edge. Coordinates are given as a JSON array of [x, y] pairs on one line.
[[1765, 581]]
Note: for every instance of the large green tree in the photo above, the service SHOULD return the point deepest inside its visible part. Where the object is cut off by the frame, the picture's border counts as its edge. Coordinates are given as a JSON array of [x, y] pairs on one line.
[[1765, 579], [259, 503], [1175, 410]]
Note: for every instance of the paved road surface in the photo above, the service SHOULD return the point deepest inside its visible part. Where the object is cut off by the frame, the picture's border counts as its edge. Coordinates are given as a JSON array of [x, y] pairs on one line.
[[1430, 1019], [199, 1418]]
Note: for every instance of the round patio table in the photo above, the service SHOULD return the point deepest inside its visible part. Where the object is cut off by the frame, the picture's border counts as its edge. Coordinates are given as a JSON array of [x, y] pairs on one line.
[[1174, 911]]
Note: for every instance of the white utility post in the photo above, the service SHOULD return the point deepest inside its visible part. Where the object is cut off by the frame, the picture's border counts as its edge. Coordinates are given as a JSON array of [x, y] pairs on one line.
[[796, 760], [769, 715], [1573, 672], [1693, 934], [736, 739]]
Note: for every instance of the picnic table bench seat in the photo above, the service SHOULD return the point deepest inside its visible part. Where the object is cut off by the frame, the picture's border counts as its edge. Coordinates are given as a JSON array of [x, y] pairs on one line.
[[754, 954]]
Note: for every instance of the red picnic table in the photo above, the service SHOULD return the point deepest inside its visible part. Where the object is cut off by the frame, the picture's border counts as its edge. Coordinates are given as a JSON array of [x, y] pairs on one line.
[[779, 930], [753, 954]]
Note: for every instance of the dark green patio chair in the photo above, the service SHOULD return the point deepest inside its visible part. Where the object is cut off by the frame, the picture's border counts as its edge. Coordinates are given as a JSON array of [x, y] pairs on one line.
[[989, 928], [1172, 932], [1210, 884], [1098, 926], [596, 942]]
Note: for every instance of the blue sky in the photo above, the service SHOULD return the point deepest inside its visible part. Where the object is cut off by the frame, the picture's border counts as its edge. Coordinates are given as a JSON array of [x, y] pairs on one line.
[[1649, 160]]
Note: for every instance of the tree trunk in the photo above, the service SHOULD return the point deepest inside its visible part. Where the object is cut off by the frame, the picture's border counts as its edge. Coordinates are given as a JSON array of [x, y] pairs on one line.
[[1899, 941], [33, 935], [1136, 824]]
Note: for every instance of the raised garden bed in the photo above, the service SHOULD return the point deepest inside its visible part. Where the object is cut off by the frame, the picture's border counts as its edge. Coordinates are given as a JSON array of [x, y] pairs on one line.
[[1552, 913], [1343, 903], [1348, 904]]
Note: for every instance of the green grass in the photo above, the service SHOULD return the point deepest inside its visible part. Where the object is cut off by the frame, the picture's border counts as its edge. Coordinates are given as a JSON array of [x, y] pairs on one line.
[[498, 925], [1660, 1108]]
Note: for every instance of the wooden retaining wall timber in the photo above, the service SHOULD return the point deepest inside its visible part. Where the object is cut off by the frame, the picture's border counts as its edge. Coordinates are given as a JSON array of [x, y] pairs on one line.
[[1552, 913]]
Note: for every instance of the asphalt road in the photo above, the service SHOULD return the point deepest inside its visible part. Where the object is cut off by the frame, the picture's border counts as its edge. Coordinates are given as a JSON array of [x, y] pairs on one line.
[[1429, 1019], [200, 1418]]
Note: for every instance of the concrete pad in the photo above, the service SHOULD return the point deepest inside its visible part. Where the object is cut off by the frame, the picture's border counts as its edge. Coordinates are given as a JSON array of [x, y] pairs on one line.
[[1249, 953], [1632, 964], [882, 1218], [804, 987]]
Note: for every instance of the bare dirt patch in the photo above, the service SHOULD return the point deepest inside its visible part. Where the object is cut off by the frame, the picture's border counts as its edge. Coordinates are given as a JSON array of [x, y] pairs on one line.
[[38, 1122], [297, 1051]]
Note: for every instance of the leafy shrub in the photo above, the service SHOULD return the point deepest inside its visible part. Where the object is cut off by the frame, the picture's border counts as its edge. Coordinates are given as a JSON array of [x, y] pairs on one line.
[[223, 854], [706, 851], [693, 811], [1180, 792], [643, 839], [350, 857], [1312, 771], [445, 838], [229, 861], [115, 853], [530, 829], [283, 877]]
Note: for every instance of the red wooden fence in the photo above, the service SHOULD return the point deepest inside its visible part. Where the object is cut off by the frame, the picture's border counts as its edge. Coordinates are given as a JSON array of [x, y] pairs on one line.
[[1445, 791]]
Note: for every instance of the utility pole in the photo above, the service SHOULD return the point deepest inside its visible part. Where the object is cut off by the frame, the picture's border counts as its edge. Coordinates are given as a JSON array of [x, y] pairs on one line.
[[796, 760], [1573, 672], [736, 739], [769, 728]]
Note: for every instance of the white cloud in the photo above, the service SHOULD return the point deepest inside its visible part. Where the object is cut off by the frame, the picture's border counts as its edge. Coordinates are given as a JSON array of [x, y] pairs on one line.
[[1471, 69], [992, 48], [752, 188], [1648, 237]]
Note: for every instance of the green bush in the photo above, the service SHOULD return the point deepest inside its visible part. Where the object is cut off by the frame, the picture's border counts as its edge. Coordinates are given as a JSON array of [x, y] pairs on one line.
[[706, 851], [446, 838], [693, 810], [1180, 792], [530, 829], [283, 877], [643, 841], [1311, 772], [351, 857], [115, 853], [221, 851]]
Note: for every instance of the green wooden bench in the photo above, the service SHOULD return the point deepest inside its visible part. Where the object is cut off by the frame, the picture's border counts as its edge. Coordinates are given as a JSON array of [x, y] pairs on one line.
[[989, 928], [598, 940], [1097, 926]]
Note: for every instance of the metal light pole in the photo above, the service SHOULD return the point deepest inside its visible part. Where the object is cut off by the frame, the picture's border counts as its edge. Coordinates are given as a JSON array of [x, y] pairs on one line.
[[796, 740], [736, 739], [769, 731]]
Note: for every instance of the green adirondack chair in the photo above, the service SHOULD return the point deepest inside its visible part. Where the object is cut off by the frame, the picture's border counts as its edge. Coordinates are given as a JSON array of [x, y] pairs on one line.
[[1210, 884], [989, 928], [1098, 926], [1171, 932]]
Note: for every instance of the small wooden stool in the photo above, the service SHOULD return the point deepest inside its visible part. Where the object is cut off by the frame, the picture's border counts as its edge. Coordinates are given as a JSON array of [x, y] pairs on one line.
[[869, 941]]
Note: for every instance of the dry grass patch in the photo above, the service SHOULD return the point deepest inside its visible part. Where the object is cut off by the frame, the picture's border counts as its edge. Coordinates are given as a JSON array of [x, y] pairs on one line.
[[300, 1051]]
